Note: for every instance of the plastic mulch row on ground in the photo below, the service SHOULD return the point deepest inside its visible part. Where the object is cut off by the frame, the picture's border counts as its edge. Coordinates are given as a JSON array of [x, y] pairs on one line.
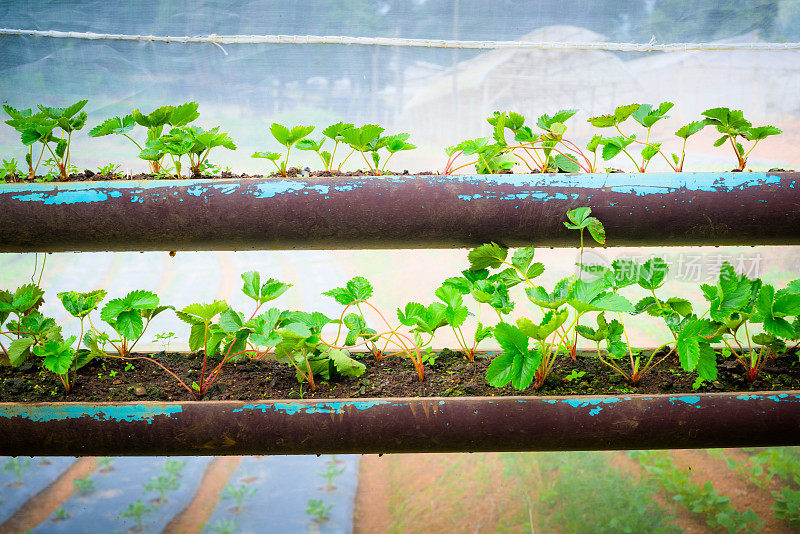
[[283, 486], [35, 473], [99, 509]]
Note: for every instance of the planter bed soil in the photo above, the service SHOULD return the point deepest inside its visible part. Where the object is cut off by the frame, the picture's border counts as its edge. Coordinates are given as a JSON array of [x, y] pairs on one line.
[[451, 376], [291, 172]]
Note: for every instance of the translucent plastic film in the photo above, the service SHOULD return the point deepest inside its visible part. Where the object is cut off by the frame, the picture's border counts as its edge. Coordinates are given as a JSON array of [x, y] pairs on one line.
[[438, 95]]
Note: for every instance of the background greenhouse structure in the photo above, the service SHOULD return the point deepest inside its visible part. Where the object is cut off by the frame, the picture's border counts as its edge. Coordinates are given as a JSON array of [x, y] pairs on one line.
[[590, 55]]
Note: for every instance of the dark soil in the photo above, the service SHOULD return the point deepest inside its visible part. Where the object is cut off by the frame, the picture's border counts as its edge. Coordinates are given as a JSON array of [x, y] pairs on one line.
[[292, 172], [452, 375]]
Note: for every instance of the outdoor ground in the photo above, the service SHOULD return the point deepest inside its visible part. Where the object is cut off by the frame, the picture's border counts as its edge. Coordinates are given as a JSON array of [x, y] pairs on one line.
[[409, 493]]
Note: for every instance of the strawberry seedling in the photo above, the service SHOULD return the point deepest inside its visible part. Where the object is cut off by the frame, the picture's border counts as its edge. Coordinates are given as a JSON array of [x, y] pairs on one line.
[[735, 129], [286, 137]]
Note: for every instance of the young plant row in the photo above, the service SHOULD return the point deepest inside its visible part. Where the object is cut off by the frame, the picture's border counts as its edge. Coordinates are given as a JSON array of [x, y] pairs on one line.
[[169, 136], [577, 492], [546, 148], [591, 304], [764, 466], [703, 500]]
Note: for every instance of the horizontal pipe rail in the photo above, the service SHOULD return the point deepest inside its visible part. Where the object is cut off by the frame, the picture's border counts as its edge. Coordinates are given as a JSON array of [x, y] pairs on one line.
[[398, 211], [402, 425]]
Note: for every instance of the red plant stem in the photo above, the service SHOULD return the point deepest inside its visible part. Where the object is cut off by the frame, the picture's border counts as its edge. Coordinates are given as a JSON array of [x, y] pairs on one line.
[[739, 158], [181, 382], [205, 354], [17, 332], [256, 311], [417, 361], [465, 165], [577, 149], [451, 160], [310, 374]]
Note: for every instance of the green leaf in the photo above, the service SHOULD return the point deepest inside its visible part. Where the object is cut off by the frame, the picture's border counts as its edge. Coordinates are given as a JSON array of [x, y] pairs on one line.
[[681, 306], [622, 113], [231, 321], [650, 150], [731, 295], [597, 230], [19, 350], [578, 217], [566, 164], [140, 299], [358, 288], [450, 295], [295, 331], [288, 137], [489, 255], [758, 133], [197, 336], [522, 258], [26, 298], [201, 313], [334, 131], [273, 156], [684, 132], [359, 138], [482, 332], [158, 117], [115, 125], [550, 323], [585, 297], [648, 304], [787, 304], [344, 364], [455, 317], [81, 304], [603, 121], [411, 315], [539, 295], [180, 115], [58, 356], [261, 293], [149, 313], [545, 121], [625, 273], [593, 143], [516, 365], [129, 324], [693, 343], [309, 144], [647, 116], [652, 274], [707, 363]]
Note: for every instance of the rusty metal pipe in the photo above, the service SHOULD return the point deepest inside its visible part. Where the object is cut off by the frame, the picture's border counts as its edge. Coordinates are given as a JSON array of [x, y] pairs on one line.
[[402, 425], [398, 212]]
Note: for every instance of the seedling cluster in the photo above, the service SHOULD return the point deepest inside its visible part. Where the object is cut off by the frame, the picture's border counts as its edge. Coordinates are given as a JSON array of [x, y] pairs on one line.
[[592, 304], [170, 140], [546, 148]]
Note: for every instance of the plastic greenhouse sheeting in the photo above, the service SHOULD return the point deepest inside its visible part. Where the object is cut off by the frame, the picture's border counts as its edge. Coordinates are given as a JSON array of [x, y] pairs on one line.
[[439, 95]]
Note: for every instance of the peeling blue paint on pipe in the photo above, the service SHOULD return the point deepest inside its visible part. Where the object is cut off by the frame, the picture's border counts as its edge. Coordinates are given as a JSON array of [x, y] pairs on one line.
[[65, 412], [291, 408], [637, 184], [585, 403]]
